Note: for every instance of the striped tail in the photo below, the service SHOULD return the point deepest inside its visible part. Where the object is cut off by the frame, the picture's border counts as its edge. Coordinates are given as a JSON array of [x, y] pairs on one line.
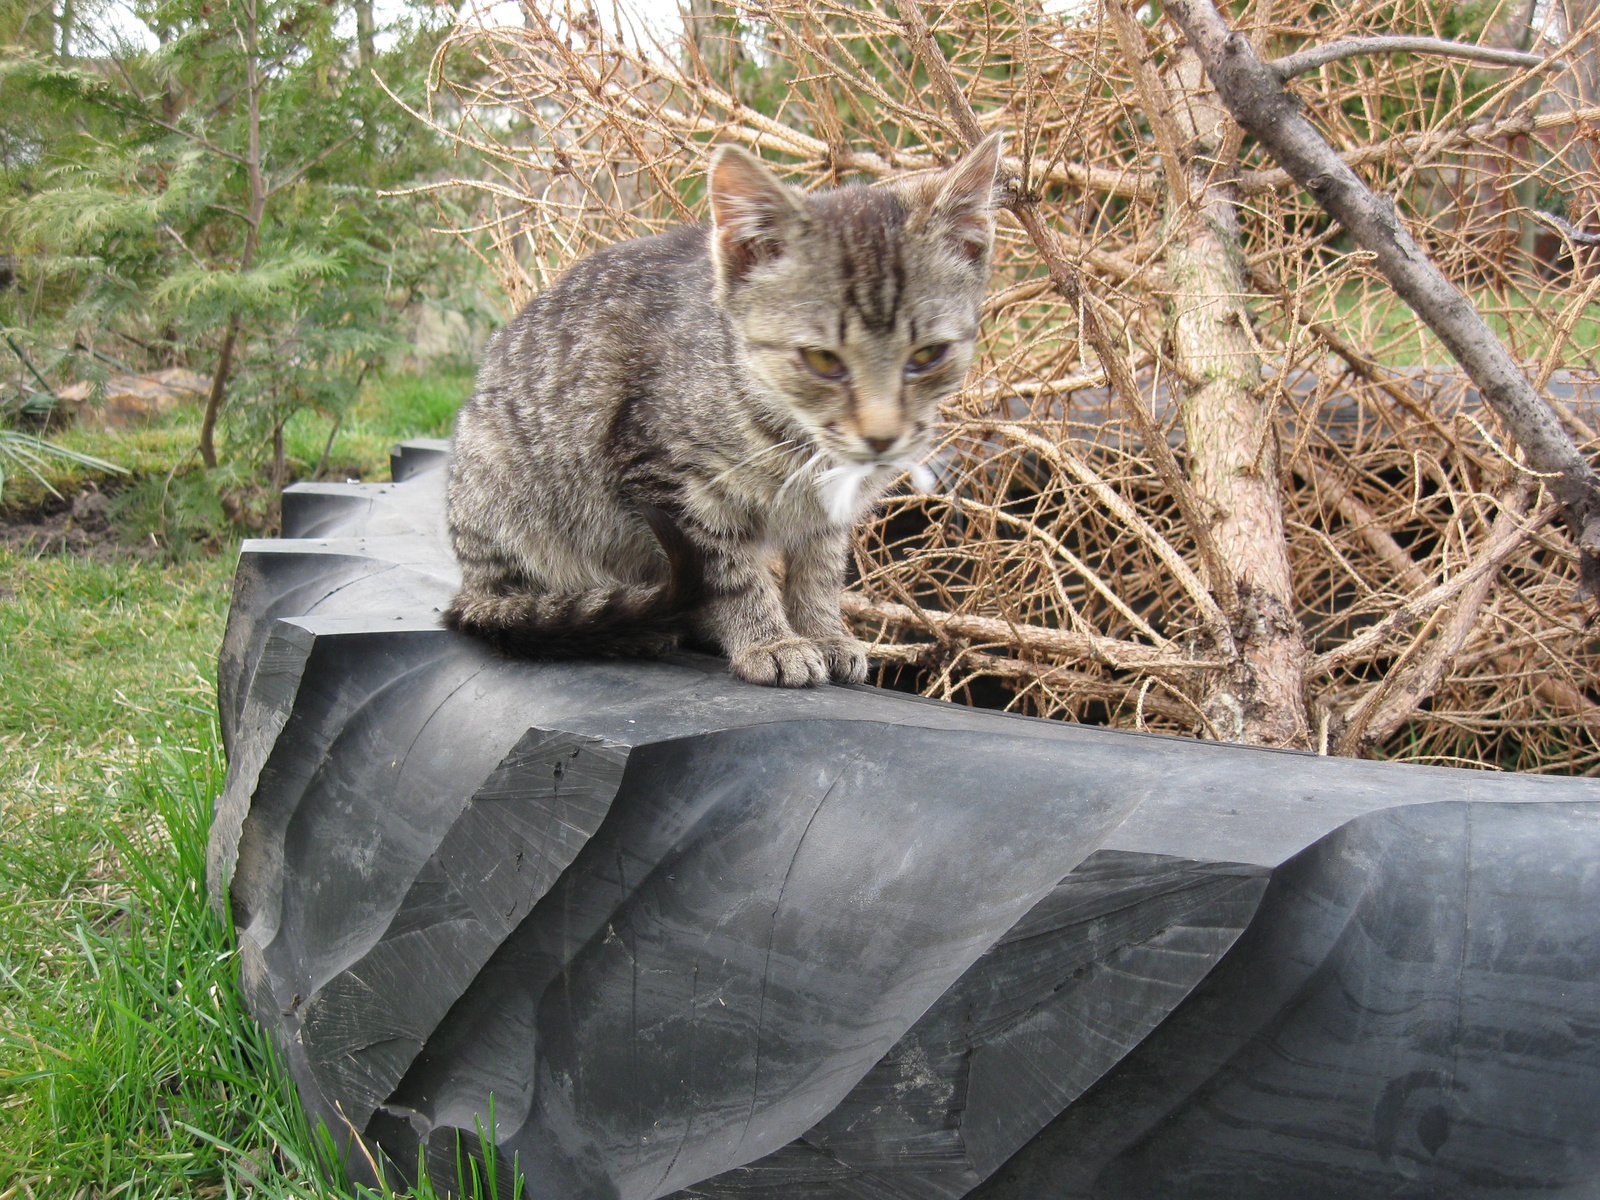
[[626, 621], [637, 620]]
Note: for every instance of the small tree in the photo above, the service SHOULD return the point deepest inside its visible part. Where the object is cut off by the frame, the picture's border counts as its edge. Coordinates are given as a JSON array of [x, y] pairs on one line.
[[237, 205]]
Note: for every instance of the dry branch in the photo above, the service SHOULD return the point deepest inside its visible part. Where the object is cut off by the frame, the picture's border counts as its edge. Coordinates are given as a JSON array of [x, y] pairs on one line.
[[1254, 94], [1165, 405], [1123, 655], [1290, 65], [1411, 683]]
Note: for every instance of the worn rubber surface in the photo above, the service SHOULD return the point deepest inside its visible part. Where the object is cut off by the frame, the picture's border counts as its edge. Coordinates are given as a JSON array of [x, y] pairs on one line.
[[696, 937]]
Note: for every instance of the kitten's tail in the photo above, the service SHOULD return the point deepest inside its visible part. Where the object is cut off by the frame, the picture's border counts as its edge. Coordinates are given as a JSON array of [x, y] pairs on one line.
[[626, 621], [638, 620]]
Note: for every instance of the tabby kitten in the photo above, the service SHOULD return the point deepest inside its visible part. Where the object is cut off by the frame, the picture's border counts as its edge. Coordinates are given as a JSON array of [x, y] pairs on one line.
[[678, 414]]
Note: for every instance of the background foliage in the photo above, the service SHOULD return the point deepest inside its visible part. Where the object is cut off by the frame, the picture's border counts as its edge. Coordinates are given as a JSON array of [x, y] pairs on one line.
[[220, 201]]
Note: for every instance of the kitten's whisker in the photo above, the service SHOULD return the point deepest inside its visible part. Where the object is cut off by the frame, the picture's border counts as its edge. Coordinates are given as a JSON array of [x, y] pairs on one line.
[[749, 461], [803, 471], [839, 487], [939, 463], [922, 475], [799, 474]]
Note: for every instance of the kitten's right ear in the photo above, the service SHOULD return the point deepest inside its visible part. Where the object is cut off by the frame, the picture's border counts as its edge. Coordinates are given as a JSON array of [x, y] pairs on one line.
[[966, 201], [753, 214]]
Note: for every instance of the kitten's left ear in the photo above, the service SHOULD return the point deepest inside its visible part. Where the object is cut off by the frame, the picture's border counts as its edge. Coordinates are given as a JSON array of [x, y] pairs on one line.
[[753, 214], [966, 202]]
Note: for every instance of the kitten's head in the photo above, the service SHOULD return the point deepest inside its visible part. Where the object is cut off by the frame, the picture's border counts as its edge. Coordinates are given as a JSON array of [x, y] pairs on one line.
[[858, 308]]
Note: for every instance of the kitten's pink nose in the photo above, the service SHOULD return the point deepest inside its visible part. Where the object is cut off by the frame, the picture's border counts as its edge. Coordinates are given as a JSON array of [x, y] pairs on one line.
[[878, 444]]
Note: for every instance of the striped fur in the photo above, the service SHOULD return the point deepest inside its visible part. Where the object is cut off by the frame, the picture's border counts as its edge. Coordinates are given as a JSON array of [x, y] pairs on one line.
[[678, 414], [624, 621]]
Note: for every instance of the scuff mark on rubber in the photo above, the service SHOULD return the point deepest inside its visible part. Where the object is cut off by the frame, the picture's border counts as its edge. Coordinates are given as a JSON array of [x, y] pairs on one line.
[[766, 969]]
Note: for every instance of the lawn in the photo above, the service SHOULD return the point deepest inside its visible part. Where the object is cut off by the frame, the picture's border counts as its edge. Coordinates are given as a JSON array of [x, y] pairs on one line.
[[128, 1067], [1371, 315], [392, 408]]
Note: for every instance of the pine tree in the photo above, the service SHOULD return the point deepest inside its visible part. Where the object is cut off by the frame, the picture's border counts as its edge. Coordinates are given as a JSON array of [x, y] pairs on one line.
[[226, 189]]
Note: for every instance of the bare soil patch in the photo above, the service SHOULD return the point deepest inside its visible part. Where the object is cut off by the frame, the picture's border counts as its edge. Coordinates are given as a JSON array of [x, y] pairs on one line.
[[78, 525]]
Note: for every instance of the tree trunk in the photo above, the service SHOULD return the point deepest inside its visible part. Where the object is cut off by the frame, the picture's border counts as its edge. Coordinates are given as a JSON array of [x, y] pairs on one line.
[[219, 384], [365, 28], [279, 474], [1230, 431], [253, 218]]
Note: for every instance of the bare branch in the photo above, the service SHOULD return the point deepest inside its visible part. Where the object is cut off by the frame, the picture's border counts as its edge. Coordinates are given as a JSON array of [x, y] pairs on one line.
[[1060, 549], [205, 143], [1255, 96], [1112, 652], [1371, 640], [1077, 683], [1290, 65], [182, 245], [1130, 37], [1568, 230], [1366, 524], [1216, 621], [1423, 147], [1390, 707]]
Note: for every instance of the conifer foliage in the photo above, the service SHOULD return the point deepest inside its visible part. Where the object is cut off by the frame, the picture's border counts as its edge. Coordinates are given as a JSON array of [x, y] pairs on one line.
[[219, 197]]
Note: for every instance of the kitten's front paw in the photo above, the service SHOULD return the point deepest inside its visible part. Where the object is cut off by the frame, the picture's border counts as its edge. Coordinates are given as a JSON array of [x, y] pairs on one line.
[[793, 662], [846, 658]]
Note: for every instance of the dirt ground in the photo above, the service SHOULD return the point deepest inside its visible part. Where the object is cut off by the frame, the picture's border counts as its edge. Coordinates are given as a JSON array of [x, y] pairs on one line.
[[78, 525]]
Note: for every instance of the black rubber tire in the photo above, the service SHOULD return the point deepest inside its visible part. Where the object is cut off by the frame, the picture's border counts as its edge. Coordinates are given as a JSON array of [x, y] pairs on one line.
[[697, 937]]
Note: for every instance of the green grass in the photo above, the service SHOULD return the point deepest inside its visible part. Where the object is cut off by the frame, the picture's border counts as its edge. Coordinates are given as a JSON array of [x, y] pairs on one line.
[[30, 455], [389, 408], [128, 1065], [1395, 334], [416, 406]]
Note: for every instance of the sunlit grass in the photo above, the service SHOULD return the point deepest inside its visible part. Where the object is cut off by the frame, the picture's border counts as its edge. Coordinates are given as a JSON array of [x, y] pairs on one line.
[[1371, 315], [389, 409], [129, 1067]]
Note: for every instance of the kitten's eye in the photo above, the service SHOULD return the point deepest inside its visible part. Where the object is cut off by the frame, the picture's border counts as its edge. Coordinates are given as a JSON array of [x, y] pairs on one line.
[[927, 357], [824, 362]]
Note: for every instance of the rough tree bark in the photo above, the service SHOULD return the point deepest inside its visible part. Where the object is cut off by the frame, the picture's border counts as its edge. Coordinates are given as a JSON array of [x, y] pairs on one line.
[[1253, 92], [1229, 427], [1230, 436]]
